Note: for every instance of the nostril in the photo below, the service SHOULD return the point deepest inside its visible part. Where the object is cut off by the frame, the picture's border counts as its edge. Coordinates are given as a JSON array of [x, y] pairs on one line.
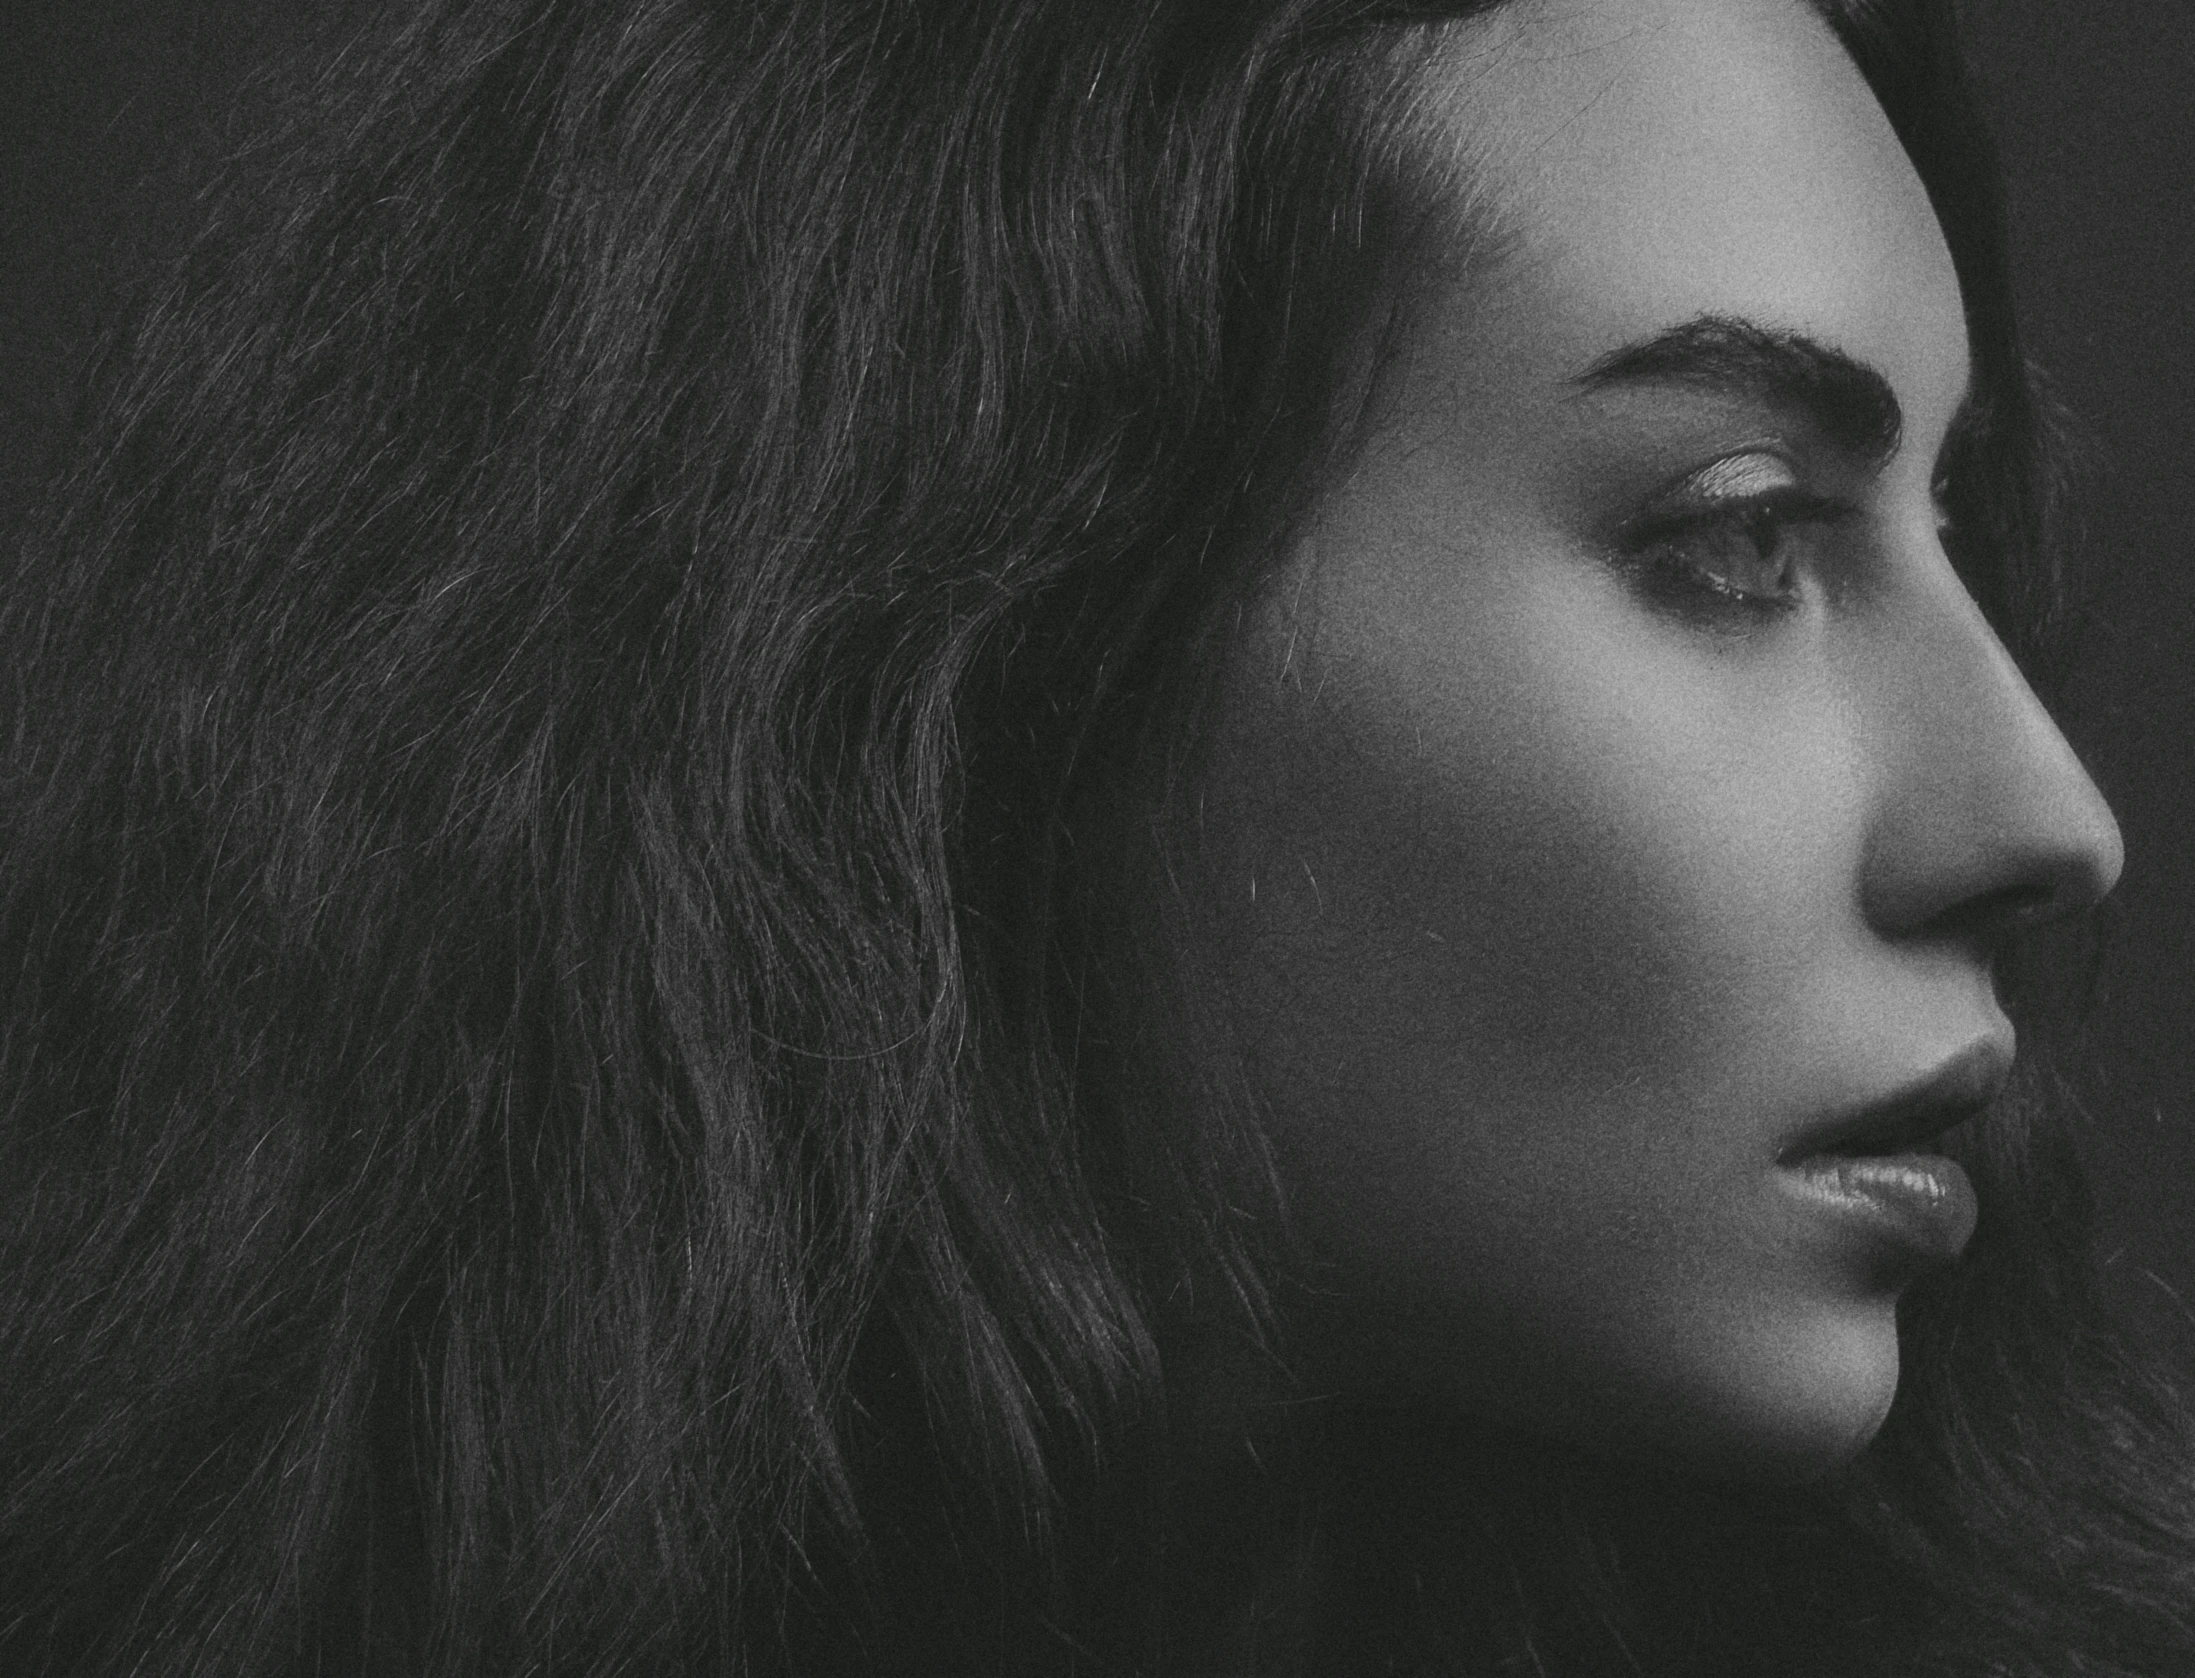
[[2028, 905], [1994, 915]]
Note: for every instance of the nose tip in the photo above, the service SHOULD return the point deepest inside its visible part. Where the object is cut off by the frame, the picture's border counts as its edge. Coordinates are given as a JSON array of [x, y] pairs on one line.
[[1999, 853], [2053, 887], [2081, 870], [1992, 826]]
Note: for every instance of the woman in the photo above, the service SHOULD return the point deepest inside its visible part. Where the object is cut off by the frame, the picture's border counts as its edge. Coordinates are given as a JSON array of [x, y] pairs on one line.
[[1012, 837]]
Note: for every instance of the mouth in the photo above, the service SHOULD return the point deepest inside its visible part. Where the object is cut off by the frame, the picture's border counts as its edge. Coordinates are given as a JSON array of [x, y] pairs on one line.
[[1872, 1174], [1911, 1119]]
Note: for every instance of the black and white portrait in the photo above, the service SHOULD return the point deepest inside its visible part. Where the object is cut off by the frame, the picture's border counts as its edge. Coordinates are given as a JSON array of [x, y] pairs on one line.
[[1168, 839]]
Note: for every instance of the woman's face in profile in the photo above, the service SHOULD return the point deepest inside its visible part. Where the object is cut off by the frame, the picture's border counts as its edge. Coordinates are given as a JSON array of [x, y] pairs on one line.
[[1617, 794]]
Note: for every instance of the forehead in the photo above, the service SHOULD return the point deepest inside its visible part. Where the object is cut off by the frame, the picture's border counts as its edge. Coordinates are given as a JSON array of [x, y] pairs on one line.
[[1641, 162]]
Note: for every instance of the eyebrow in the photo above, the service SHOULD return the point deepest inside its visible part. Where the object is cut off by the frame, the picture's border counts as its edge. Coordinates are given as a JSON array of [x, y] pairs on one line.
[[1851, 403]]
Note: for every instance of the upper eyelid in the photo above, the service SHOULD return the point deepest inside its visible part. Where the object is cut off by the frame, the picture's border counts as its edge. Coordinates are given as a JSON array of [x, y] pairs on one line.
[[1695, 492], [1692, 489], [1701, 485]]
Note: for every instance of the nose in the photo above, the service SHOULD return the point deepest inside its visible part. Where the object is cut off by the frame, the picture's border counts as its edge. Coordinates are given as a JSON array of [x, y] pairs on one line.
[[1986, 821]]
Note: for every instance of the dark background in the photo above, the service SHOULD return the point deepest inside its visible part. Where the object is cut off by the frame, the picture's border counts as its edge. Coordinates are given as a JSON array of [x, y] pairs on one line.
[[2094, 105], [107, 107]]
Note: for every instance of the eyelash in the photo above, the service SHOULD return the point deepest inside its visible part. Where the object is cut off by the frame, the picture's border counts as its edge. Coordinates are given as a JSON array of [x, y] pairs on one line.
[[1952, 512], [1656, 553]]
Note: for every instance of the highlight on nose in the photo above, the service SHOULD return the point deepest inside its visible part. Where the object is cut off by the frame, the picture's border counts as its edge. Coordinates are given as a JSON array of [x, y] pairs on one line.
[[1989, 824]]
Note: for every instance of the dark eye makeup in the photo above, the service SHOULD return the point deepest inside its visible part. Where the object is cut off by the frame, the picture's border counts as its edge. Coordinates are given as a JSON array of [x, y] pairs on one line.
[[1720, 546]]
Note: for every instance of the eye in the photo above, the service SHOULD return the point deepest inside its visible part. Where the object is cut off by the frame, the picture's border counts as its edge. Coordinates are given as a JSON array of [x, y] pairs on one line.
[[1958, 527], [1967, 486], [1726, 543]]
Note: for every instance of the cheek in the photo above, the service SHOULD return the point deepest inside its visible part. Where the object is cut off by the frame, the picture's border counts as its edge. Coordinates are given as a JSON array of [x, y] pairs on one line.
[[1527, 897], [1526, 844]]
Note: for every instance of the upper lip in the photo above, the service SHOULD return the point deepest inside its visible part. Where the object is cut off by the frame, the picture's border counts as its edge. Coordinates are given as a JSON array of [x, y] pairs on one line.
[[1952, 1093]]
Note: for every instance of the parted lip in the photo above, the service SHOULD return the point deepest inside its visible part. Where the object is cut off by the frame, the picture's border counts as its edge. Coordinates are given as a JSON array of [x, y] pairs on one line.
[[1946, 1097]]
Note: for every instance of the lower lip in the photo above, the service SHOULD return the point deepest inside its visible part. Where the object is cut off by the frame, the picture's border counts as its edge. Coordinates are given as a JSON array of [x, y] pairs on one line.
[[1920, 1201]]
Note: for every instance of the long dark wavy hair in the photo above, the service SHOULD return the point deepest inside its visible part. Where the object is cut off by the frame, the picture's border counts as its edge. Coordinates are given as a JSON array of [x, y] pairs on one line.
[[557, 1107]]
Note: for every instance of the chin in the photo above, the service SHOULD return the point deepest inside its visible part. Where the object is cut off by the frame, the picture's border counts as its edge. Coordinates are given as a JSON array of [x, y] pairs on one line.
[[1809, 1399], [1747, 1391]]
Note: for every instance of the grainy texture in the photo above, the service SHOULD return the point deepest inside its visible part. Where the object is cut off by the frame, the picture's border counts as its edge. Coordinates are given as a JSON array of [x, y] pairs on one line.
[[2092, 106], [107, 107]]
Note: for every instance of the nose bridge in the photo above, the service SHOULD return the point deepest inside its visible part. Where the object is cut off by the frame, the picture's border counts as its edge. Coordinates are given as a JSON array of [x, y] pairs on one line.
[[1985, 818]]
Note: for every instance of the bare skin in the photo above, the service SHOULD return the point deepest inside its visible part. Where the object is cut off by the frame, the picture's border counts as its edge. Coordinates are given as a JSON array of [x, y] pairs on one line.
[[1618, 784]]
